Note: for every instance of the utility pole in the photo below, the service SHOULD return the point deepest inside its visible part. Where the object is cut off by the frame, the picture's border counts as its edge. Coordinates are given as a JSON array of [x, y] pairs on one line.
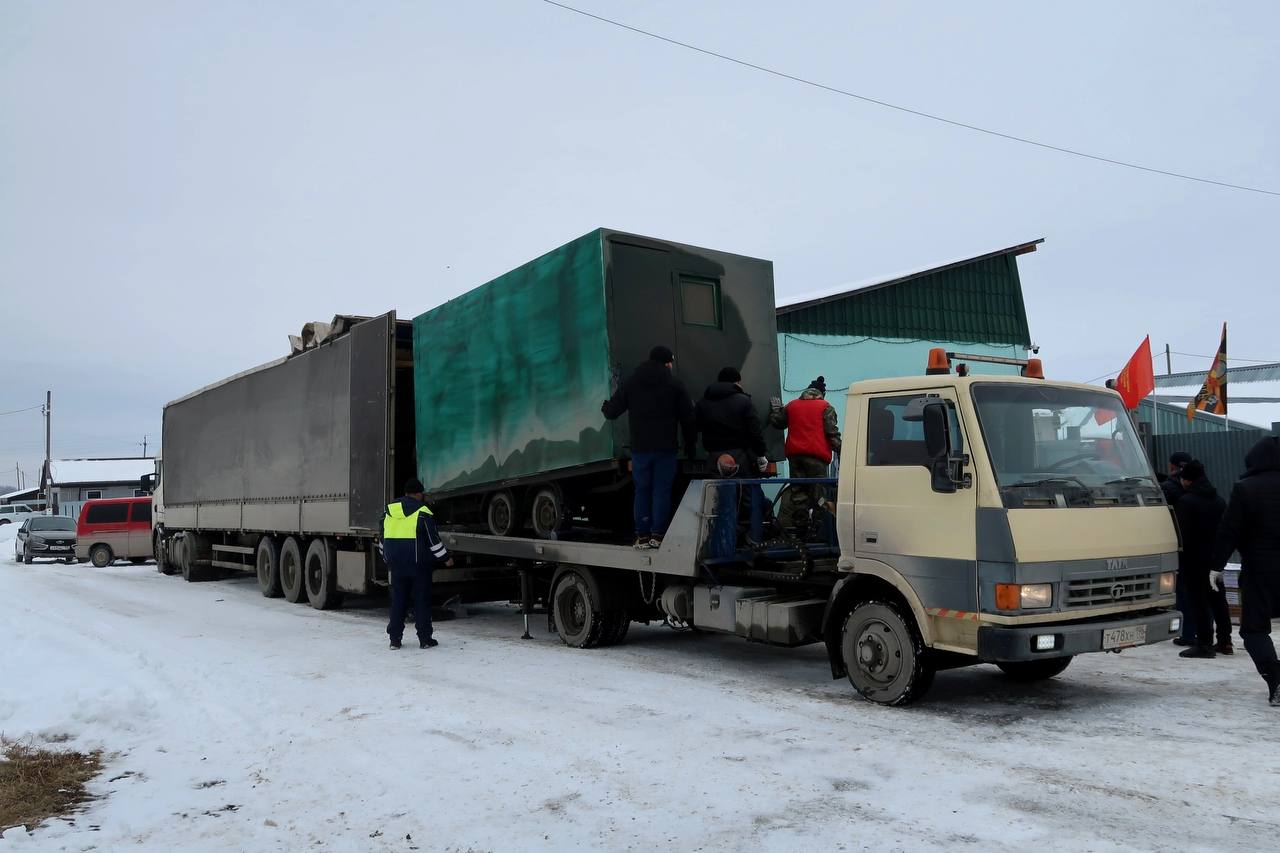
[[1168, 361], [46, 476], [144, 447]]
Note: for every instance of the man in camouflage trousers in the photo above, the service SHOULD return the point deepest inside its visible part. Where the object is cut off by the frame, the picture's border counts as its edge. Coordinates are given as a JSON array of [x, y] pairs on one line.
[[813, 436]]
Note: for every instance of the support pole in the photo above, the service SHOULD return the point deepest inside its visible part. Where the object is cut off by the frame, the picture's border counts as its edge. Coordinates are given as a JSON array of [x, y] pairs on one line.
[[526, 601], [46, 477]]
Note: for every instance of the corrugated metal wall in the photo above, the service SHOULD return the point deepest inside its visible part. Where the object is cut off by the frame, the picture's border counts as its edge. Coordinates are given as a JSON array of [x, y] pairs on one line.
[[1173, 420], [1221, 452], [979, 302]]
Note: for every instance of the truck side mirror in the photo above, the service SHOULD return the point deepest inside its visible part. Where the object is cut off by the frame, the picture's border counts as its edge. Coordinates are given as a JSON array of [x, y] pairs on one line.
[[148, 483], [937, 446]]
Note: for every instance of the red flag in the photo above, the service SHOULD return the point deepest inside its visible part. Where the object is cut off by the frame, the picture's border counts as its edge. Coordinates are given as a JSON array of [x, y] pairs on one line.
[[1213, 393], [1137, 380]]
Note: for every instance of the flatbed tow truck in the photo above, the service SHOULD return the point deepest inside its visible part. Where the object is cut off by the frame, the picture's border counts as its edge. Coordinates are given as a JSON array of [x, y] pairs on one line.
[[974, 519]]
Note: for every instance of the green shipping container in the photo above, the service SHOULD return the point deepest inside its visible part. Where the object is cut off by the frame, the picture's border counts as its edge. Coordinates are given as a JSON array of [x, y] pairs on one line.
[[509, 377]]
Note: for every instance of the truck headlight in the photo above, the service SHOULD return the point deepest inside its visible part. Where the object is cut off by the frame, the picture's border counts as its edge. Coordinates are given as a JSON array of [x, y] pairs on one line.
[[1167, 581], [1036, 595]]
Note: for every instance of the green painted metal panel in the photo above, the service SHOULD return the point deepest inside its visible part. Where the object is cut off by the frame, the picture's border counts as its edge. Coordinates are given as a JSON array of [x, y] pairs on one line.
[[978, 302], [509, 377]]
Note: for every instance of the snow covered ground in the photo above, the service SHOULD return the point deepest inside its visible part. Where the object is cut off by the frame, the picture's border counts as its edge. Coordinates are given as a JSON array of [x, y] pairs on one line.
[[234, 722]]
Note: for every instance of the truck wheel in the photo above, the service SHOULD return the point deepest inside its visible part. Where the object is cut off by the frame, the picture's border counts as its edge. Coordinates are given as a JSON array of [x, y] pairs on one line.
[[164, 564], [320, 573], [884, 654], [100, 555], [579, 619], [617, 624], [268, 563], [1034, 670], [291, 573], [501, 513], [549, 514]]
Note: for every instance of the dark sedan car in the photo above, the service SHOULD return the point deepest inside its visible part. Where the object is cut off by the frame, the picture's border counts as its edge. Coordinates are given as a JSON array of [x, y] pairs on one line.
[[46, 536]]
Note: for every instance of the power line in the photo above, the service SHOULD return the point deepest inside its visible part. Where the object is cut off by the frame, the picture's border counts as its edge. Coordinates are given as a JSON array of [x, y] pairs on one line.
[[920, 113], [19, 411], [1232, 358], [1110, 372]]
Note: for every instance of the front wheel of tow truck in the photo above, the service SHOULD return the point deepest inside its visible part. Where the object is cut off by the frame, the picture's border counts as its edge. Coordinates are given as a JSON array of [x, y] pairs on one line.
[[579, 618], [884, 654], [1034, 670]]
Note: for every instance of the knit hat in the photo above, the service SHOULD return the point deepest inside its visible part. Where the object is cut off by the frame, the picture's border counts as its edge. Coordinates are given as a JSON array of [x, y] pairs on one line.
[[413, 486], [662, 355], [729, 374], [819, 384], [1192, 471], [1180, 458]]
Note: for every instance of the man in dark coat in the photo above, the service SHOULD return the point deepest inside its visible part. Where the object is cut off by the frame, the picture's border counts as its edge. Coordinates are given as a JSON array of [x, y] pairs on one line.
[[1172, 487], [1251, 525], [412, 548], [730, 424], [1199, 510], [657, 407]]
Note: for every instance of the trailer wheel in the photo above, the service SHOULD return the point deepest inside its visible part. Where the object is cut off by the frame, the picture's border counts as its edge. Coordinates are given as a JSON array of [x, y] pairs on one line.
[[1034, 670], [578, 617], [268, 564], [884, 654], [320, 573], [291, 575], [549, 513], [501, 513], [100, 555]]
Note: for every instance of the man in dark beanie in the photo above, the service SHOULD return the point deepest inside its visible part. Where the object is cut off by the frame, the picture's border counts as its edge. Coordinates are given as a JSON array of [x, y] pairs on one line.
[[729, 424], [1172, 487], [1251, 525], [813, 437], [1199, 510], [657, 407], [412, 548]]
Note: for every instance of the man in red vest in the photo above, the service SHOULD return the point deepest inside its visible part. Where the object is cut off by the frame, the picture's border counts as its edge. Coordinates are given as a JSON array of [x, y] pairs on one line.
[[813, 435]]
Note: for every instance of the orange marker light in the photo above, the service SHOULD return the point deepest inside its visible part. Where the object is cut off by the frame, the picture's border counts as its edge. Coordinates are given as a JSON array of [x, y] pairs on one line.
[[1034, 369], [1008, 596], [938, 362]]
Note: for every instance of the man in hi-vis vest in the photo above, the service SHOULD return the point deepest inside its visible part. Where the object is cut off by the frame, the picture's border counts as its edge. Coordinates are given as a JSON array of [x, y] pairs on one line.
[[412, 548], [813, 435]]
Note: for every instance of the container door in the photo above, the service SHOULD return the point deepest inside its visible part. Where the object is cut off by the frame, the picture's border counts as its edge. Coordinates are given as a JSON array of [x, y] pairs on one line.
[[372, 398]]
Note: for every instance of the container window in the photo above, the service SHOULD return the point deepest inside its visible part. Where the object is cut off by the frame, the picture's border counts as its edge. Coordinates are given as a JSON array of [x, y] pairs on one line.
[[700, 301], [107, 514]]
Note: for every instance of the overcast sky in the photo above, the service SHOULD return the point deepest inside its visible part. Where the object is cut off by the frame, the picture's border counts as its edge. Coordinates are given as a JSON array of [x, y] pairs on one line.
[[182, 185]]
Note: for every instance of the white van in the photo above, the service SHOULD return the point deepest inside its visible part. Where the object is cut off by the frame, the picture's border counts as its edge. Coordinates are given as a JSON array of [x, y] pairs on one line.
[[17, 513]]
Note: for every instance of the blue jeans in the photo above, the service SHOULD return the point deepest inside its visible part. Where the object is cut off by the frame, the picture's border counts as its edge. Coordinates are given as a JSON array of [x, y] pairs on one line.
[[653, 473]]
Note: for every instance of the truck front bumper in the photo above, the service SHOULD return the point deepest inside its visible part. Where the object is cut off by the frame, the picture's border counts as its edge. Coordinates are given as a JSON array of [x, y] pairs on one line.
[[1000, 643]]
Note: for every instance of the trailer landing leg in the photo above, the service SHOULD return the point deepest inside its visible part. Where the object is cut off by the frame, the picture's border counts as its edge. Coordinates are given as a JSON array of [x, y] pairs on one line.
[[526, 601]]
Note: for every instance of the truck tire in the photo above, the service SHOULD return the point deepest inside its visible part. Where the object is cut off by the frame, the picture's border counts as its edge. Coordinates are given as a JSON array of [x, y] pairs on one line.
[[578, 616], [884, 654], [617, 624], [320, 573], [500, 513], [548, 512], [1034, 670], [291, 572], [164, 561], [100, 555], [184, 551], [267, 559]]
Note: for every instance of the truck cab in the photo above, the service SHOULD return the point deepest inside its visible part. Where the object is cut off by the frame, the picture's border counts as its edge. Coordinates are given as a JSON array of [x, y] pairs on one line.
[[998, 519]]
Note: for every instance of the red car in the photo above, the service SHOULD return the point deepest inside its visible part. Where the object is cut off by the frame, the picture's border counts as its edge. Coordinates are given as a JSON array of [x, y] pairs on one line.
[[113, 529]]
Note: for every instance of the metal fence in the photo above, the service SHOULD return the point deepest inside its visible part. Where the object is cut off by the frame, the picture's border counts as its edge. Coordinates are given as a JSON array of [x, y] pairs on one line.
[[1221, 452]]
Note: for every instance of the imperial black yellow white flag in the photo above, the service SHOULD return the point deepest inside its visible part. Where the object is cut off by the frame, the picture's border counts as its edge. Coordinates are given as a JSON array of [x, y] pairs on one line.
[[1213, 393]]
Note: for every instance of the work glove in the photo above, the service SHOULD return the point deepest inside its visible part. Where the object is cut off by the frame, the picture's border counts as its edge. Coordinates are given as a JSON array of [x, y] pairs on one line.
[[775, 402], [1215, 580], [762, 463]]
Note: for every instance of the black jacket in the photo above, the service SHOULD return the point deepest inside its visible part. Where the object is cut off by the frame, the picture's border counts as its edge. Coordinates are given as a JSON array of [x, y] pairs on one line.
[[656, 403], [728, 420], [1172, 488], [1199, 510], [1251, 524]]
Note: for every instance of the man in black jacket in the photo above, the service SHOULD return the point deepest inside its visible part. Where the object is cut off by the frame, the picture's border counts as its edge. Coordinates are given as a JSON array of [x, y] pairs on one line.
[[1251, 525], [1172, 488], [1199, 510], [656, 403], [730, 424]]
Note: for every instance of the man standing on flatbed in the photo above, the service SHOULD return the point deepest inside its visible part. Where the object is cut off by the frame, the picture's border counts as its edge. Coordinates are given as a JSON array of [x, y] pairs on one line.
[[813, 437], [412, 547]]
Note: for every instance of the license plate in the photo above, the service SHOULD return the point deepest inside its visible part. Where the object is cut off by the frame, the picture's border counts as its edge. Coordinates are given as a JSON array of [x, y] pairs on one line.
[[1119, 638]]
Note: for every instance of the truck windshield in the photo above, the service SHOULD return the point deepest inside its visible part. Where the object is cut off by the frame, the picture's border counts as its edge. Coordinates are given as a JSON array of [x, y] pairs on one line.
[[1063, 447]]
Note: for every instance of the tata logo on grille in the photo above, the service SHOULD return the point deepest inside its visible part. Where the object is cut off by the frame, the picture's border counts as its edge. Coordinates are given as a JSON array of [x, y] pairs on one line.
[[1117, 564], [1117, 592]]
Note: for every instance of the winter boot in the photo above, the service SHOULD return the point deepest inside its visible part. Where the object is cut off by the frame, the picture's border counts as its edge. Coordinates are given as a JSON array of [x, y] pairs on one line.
[[1225, 648], [1181, 641], [395, 645], [428, 643], [643, 543], [1198, 652], [1273, 686]]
